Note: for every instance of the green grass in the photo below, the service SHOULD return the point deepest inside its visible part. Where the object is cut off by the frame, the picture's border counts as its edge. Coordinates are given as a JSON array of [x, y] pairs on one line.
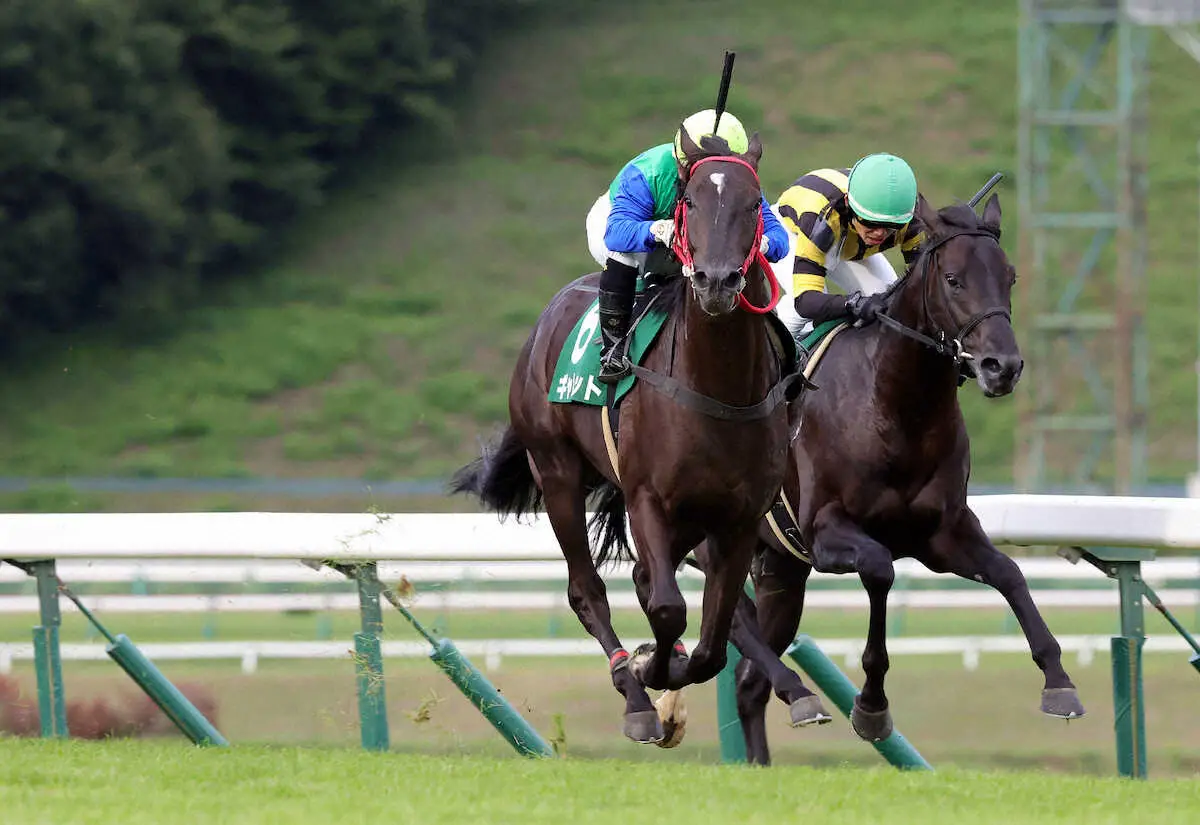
[[140, 783], [380, 344]]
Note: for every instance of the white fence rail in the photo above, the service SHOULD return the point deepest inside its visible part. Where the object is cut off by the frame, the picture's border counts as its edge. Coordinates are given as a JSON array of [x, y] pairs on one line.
[[1171, 524], [235, 571], [557, 600], [492, 651], [452, 582], [452, 551]]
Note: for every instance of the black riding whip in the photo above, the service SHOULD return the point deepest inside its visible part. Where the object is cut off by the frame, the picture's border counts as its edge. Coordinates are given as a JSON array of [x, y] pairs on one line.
[[987, 187], [723, 92]]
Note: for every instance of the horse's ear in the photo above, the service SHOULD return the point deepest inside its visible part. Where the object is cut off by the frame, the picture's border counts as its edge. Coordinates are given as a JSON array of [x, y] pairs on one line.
[[991, 213], [927, 214], [690, 150], [753, 153]]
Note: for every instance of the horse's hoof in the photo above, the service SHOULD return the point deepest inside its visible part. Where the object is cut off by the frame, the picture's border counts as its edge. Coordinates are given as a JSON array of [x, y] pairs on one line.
[[672, 712], [808, 710], [871, 726], [644, 727], [1062, 703]]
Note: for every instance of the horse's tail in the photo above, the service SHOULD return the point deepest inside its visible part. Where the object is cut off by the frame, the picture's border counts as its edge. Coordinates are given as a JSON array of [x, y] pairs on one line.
[[501, 478], [503, 481], [607, 525]]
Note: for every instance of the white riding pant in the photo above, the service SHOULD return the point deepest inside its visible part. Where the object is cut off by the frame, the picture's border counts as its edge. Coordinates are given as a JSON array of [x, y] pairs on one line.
[[596, 223], [868, 276]]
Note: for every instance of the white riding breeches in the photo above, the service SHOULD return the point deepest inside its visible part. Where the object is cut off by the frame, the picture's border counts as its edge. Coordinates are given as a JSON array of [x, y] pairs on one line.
[[868, 276], [596, 223]]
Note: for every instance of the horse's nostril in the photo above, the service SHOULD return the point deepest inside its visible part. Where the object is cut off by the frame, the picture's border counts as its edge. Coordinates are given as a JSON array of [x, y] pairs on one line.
[[1002, 367], [700, 277], [732, 280]]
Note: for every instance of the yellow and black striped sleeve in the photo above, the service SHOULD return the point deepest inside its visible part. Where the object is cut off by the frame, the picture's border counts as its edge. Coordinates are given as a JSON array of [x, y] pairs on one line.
[[801, 206], [911, 238]]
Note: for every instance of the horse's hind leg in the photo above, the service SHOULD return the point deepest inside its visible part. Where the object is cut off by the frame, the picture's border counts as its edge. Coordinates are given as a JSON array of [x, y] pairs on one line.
[[561, 473], [762, 631], [843, 545], [965, 550]]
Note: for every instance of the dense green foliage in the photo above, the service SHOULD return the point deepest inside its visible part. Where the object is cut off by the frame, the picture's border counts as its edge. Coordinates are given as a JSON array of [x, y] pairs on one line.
[[145, 144]]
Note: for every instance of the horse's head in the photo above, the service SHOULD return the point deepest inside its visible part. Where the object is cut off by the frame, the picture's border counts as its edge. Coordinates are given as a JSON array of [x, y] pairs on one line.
[[967, 291], [718, 222]]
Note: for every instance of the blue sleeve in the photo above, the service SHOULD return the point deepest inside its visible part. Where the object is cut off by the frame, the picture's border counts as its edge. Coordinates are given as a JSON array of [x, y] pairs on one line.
[[628, 228], [778, 242]]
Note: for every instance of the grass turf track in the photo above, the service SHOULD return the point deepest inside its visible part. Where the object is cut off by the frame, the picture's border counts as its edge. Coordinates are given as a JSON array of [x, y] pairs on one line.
[[137, 782]]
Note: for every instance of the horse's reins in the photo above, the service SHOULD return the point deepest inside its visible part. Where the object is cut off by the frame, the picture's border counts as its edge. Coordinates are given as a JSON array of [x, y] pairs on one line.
[[943, 344]]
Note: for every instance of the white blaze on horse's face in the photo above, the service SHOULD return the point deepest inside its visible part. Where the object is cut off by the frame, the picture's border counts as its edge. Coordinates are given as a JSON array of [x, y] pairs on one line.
[[718, 180]]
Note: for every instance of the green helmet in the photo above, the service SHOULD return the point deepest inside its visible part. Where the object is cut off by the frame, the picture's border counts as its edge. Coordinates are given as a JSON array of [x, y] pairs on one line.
[[882, 189], [701, 124]]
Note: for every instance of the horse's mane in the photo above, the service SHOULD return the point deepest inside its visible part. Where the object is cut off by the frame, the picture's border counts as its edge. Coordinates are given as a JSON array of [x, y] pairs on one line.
[[711, 146]]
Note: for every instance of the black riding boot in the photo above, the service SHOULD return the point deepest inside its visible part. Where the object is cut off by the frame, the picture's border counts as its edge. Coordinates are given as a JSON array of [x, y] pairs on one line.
[[617, 285]]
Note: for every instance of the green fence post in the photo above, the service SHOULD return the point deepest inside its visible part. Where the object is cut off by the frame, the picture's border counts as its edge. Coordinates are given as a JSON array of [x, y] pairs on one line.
[[729, 726], [1129, 711], [1129, 708], [368, 662], [838, 687], [484, 696], [47, 656], [182, 713]]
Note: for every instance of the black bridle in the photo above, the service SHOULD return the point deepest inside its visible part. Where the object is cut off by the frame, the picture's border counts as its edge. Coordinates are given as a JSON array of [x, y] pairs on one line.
[[942, 343]]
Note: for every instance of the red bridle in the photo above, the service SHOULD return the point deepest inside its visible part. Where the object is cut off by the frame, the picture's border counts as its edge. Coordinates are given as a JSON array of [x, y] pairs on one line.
[[683, 250]]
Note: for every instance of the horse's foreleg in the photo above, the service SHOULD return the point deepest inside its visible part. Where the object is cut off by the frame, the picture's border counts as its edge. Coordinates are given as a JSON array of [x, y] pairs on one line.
[[658, 592], [672, 705], [840, 540], [562, 487], [725, 573], [965, 550]]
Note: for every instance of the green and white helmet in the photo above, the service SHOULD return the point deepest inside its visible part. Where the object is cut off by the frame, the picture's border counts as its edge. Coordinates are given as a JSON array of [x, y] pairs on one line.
[[700, 125], [882, 189]]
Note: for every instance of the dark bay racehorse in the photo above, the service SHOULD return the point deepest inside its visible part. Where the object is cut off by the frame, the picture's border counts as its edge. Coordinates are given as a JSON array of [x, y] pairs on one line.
[[880, 469], [691, 469]]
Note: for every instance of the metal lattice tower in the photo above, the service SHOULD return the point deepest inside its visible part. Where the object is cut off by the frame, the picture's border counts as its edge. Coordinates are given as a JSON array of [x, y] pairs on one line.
[[1082, 257]]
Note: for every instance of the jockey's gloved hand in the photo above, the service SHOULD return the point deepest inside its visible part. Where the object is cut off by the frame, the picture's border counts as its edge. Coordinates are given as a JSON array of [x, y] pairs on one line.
[[663, 232], [864, 307]]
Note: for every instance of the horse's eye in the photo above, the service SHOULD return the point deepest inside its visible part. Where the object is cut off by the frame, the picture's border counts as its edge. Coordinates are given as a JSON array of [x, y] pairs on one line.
[[687, 199], [952, 279]]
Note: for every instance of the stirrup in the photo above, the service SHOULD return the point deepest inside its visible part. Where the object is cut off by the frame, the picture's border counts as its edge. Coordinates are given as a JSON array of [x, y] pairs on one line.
[[615, 367]]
